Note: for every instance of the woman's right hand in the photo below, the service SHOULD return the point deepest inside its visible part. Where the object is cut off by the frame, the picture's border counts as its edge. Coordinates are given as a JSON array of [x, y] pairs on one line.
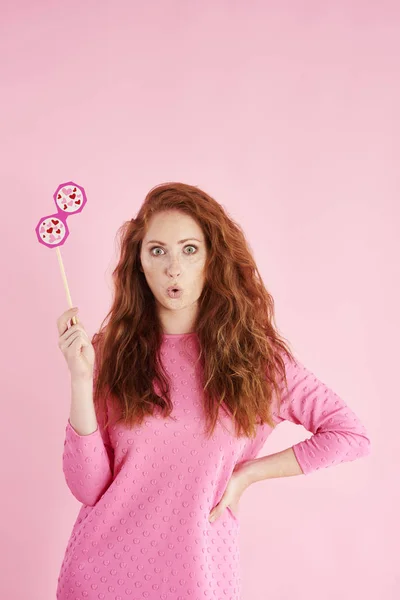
[[75, 345]]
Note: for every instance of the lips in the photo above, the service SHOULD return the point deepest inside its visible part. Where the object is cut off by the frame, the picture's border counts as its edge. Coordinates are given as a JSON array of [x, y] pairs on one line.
[[174, 288]]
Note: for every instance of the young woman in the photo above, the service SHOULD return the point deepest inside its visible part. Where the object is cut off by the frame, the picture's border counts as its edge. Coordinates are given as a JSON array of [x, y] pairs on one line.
[[171, 403]]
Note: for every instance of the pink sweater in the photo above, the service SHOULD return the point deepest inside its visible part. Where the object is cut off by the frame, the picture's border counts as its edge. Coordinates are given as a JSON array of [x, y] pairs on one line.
[[143, 530]]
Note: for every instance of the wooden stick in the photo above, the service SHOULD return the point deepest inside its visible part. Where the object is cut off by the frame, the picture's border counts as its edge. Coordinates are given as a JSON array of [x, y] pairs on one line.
[[64, 278]]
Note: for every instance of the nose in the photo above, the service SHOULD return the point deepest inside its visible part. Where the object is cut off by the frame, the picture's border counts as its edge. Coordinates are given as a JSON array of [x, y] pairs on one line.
[[173, 273], [174, 268]]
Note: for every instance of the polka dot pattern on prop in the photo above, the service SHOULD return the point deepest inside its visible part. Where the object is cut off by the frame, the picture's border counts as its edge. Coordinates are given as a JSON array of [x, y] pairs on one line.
[[70, 199]]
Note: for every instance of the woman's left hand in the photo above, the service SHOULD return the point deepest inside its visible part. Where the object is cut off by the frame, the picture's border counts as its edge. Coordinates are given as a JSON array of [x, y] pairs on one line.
[[238, 483]]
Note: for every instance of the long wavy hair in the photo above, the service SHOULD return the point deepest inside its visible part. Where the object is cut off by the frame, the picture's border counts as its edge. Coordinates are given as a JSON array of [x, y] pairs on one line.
[[241, 354]]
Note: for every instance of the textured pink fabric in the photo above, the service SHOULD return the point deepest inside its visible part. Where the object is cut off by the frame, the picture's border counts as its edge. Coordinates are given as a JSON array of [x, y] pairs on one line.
[[143, 531]]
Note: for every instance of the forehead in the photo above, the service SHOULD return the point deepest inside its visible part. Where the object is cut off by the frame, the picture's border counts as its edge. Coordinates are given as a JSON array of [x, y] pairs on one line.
[[168, 225]]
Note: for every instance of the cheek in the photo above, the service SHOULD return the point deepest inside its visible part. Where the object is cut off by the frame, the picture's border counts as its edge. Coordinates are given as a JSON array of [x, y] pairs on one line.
[[199, 266], [148, 264]]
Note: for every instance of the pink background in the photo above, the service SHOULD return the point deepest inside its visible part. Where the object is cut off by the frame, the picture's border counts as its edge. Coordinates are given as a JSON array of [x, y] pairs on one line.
[[288, 114]]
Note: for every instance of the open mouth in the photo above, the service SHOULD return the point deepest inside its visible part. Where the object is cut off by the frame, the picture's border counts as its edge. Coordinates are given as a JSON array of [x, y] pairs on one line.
[[174, 292]]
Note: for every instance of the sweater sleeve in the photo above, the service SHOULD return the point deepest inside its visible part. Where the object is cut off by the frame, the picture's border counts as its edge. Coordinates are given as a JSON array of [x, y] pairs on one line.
[[88, 462], [338, 434]]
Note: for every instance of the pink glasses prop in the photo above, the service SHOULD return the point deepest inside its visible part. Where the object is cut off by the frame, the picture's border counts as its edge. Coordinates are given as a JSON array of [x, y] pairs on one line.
[[52, 231]]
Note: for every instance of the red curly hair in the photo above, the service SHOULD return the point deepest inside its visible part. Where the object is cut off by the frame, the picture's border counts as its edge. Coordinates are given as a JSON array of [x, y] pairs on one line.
[[241, 355]]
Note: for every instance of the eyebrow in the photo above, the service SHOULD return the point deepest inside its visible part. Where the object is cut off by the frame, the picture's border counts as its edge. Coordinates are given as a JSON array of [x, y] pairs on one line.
[[180, 241]]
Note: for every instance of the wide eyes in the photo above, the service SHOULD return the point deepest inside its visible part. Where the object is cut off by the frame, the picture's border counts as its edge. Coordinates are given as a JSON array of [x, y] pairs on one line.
[[159, 248]]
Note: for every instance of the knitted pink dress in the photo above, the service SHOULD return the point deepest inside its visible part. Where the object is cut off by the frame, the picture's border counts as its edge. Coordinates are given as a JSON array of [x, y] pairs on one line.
[[143, 531]]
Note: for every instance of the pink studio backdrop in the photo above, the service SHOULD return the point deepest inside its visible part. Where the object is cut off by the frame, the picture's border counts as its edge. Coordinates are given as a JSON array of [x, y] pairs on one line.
[[288, 114]]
